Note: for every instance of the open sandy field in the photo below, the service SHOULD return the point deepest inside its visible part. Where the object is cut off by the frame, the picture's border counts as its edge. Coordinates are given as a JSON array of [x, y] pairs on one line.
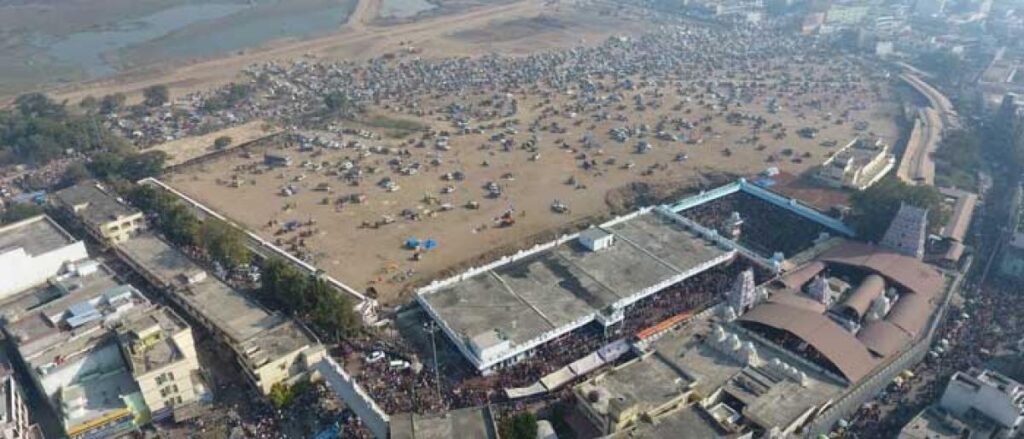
[[515, 27], [182, 150], [531, 180]]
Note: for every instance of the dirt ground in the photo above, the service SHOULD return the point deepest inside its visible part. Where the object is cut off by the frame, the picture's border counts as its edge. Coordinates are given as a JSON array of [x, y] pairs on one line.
[[375, 257], [182, 150], [457, 33]]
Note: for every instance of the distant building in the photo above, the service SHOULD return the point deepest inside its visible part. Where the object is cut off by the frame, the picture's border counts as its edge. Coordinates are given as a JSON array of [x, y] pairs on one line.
[[907, 232], [104, 215], [858, 165], [32, 251]]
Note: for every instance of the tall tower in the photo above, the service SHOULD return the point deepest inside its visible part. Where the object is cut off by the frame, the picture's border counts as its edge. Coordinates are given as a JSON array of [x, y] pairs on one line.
[[907, 231], [743, 293]]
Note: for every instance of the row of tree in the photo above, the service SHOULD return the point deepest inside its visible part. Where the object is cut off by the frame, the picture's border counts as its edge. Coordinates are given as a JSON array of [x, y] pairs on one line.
[[223, 242], [308, 297]]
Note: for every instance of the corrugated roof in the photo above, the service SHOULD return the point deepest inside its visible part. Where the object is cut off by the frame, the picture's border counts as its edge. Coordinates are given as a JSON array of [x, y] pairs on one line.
[[796, 279], [906, 271], [797, 300], [860, 299], [841, 348], [883, 338], [960, 219], [911, 313]]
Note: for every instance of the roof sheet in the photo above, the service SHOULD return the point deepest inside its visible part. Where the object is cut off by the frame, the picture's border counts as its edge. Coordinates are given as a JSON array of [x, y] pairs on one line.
[[841, 348], [911, 313], [883, 338], [796, 279], [906, 271], [869, 289]]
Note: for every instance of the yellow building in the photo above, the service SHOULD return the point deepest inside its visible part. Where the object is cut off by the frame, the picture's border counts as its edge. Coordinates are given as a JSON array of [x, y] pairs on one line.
[[104, 215], [160, 352]]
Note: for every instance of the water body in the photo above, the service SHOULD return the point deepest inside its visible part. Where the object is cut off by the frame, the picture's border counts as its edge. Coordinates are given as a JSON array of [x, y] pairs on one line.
[[249, 28], [404, 8], [86, 50]]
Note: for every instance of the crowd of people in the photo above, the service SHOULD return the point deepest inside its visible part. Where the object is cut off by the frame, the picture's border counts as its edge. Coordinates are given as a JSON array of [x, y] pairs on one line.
[[766, 228], [985, 327], [415, 389]]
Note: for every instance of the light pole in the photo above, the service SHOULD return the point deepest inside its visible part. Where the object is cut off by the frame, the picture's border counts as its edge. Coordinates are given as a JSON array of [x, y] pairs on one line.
[[431, 327]]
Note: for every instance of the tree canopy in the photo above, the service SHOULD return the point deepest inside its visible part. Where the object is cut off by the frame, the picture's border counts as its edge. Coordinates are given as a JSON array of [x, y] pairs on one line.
[[874, 208], [520, 426], [308, 296], [19, 211], [156, 95], [37, 129]]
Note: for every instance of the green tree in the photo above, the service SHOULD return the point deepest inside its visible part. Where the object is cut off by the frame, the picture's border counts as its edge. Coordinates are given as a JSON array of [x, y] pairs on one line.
[[146, 164], [39, 105], [112, 103], [308, 296], [224, 242], [156, 95], [874, 208], [89, 104], [75, 173], [19, 211], [221, 142], [520, 426]]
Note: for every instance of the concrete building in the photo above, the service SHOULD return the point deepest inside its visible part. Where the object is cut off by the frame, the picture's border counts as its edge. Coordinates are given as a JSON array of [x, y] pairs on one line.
[[269, 347], [32, 251], [979, 404], [158, 347], [473, 422], [988, 393], [103, 214], [709, 380], [789, 367], [858, 165], [62, 332], [15, 420], [523, 301]]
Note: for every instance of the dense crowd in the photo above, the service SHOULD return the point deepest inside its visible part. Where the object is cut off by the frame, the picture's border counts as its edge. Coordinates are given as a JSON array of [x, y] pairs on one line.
[[985, 327], [765, 229], [414, 388]]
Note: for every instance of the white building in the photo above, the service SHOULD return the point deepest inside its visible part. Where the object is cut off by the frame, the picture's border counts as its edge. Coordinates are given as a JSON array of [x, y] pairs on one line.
[[858, 165], [989, 393], [32, 251]]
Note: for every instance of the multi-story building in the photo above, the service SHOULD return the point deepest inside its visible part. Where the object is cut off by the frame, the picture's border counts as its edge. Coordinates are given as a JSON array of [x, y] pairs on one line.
[[103, 214], [15, 419], [158, 347], [62, 332], [32, 251], [269, 347]]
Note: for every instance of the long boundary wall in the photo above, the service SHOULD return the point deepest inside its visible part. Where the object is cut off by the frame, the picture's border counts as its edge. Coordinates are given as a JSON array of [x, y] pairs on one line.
[[366, 305]]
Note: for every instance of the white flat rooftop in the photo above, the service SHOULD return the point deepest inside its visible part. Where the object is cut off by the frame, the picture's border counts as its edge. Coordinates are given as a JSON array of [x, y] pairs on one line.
[[539, 296]]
